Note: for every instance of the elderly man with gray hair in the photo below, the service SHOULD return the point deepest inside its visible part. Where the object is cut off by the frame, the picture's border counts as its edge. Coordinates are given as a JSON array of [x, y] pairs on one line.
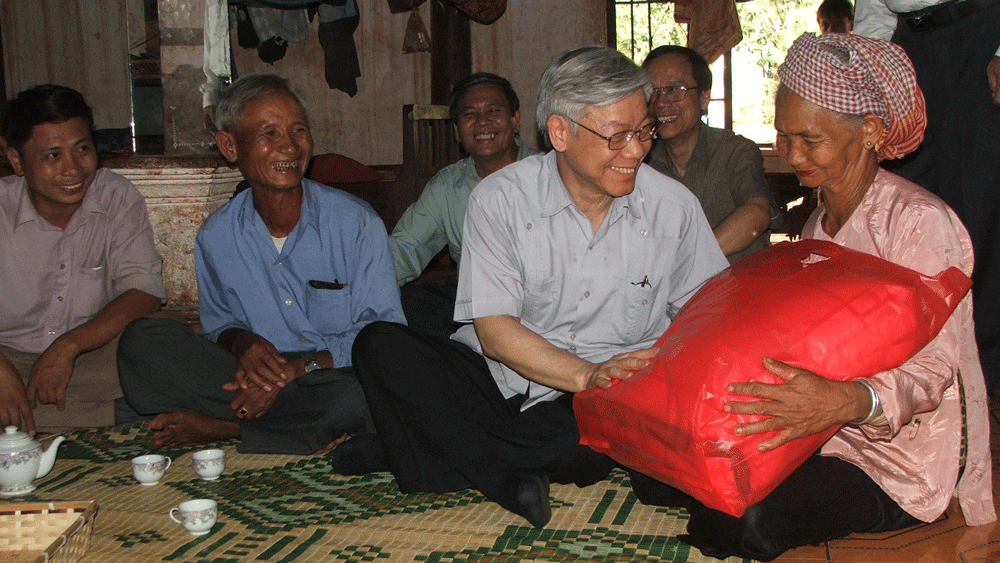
[[288, 272], [573, 264]]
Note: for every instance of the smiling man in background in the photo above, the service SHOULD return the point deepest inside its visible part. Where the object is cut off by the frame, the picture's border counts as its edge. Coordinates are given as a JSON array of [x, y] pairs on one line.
[[724, 171], [485, 115], [77, 261]]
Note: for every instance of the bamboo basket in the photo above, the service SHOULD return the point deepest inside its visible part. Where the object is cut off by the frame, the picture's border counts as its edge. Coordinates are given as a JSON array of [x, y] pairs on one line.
[[45, 532]]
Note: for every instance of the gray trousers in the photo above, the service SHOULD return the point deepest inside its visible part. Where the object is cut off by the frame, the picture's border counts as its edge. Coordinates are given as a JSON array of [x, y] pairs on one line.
[[165, 366], [90, 395]]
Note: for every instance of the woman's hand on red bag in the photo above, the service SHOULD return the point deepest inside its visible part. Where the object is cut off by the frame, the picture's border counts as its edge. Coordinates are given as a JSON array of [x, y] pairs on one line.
[[619, 366], [805, 404]]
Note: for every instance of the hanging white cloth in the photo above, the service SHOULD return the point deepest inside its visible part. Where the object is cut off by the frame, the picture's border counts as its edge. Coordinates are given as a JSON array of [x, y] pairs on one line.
[[217, 64]]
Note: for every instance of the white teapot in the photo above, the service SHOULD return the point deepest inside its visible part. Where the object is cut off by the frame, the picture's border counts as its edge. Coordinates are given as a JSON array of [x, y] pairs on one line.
[[22, 461]]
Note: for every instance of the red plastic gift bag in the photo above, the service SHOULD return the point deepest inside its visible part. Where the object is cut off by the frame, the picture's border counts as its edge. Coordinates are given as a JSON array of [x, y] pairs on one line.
[[837, 312]]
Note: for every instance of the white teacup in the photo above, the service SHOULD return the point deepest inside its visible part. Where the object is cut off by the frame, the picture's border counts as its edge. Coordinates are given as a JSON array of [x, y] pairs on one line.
[[209, 464], [149, 469], [198, 516]]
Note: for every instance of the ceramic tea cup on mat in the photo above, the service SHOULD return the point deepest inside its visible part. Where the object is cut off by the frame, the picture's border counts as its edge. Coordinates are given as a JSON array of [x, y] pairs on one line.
[[198, 516], [149, 469], [209, 464]]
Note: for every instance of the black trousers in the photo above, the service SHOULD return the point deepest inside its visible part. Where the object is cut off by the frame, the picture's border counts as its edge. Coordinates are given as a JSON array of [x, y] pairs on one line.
[[959, 157], [824, 499], [164, 366], [429, 307], [445, 426]]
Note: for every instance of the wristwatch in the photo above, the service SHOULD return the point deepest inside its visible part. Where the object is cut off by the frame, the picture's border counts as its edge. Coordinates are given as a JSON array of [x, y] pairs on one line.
[[312, 365]]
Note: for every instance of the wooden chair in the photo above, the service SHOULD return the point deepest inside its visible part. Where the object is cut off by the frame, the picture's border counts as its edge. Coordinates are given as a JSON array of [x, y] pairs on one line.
[[428, 146]]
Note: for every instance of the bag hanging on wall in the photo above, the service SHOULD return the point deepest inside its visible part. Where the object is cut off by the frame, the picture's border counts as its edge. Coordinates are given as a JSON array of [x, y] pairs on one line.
[[813, 304], [400, 6], [416, 39], [481, 11]]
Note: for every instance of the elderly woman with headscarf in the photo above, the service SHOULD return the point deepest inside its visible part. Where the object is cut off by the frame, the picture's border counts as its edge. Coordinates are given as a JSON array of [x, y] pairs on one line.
[[914, 436]]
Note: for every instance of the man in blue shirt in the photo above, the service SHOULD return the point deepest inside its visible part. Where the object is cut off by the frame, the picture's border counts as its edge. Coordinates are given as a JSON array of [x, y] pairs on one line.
[[289, 272]]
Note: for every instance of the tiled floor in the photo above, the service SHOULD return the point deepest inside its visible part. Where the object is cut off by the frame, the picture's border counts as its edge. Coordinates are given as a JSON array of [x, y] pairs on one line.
[[948, 540]]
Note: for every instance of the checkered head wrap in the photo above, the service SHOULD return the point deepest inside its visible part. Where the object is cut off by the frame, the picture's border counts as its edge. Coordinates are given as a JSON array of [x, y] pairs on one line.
[[860, 76]]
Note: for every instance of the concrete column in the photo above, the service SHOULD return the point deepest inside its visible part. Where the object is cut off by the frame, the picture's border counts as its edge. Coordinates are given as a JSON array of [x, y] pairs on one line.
[[181, 60], [180, 194]]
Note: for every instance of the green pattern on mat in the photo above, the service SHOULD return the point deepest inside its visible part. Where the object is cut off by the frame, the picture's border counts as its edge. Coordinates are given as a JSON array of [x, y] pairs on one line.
[[149, 536], [359, 554], [589, 544], [284, 509], [117, 443]]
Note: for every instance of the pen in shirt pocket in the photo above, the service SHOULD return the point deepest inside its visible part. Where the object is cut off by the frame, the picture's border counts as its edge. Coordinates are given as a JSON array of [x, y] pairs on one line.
[[335, 284]]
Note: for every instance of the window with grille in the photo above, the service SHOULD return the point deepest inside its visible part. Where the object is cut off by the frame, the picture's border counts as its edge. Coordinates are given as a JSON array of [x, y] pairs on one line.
[[640, 26]]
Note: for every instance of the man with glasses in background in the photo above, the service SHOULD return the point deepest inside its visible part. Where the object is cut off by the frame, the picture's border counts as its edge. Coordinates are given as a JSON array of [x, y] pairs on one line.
[[725, 171], [573, 264]]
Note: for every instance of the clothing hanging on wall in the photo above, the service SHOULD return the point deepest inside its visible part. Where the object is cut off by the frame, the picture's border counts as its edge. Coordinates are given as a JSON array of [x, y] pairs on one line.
[[270, 26], [276, 28], [216, 62], [336, 36], [713, 26]]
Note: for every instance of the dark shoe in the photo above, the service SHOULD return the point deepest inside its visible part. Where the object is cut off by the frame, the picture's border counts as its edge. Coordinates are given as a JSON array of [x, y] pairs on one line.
[[527, 495], [359, 455], [651, 492]]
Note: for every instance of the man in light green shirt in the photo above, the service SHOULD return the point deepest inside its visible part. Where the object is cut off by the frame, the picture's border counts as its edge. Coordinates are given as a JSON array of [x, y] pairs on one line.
[[485, 115]]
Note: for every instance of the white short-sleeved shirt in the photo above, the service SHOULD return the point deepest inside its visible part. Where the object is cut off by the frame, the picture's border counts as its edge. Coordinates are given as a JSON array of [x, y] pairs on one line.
[[877, 18], [529, 252]]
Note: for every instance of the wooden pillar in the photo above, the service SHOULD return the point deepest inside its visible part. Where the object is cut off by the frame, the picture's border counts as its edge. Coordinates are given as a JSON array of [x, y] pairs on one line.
[[451, 55], [612, 26], [3, 81]]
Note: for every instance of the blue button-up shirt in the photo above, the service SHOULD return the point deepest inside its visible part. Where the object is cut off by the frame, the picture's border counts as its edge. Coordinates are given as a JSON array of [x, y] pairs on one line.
[[339, 244]]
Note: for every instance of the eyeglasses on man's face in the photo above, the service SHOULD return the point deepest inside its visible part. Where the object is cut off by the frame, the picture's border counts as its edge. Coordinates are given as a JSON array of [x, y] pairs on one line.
[[620, 139], [674, 93]]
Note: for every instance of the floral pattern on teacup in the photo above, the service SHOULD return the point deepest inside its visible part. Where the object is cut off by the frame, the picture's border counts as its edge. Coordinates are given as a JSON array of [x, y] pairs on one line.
[[200, 517], [151, 467], [208, 464]]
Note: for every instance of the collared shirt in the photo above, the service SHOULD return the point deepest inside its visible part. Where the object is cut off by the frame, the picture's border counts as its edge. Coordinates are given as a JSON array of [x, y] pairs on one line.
[[339, 244], [724, 172], [57, 279], [436, 218], [915, 458], [532, 254], [877, 18]]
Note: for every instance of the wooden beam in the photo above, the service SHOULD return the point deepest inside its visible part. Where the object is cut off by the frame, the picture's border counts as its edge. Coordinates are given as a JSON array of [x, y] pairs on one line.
[[451, 49]]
